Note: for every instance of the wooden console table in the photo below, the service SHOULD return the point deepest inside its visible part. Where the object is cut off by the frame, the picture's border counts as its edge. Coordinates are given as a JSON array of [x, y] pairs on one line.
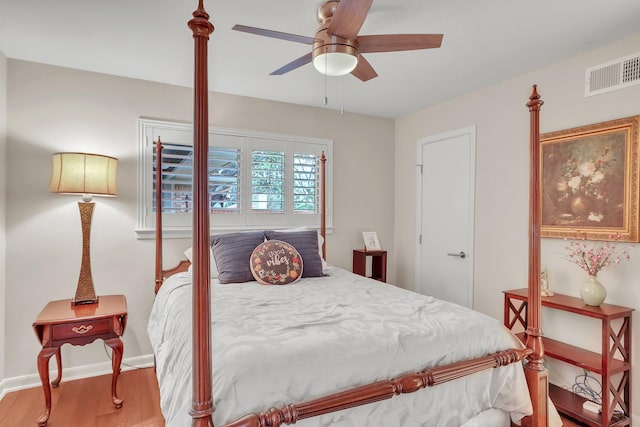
[[612, 363], [60, 323]]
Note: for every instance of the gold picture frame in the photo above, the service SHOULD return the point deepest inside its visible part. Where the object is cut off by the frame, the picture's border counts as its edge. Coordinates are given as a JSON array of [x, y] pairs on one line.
[[590, 179]]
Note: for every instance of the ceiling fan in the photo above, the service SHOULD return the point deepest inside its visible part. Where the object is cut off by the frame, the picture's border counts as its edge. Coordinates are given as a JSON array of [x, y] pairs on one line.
[[337, 48]]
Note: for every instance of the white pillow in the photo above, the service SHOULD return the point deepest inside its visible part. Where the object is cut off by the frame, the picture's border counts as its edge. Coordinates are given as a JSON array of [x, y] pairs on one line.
[[320, 242], [293, 230], [212, 262]]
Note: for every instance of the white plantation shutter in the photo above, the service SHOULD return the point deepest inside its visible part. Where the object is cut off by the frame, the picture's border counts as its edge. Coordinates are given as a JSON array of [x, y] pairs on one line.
[[267, 181], [224, 179], [306, 184], [177, 173], [255, 180]]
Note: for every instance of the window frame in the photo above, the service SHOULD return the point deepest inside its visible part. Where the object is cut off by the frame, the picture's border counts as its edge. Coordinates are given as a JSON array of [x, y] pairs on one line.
[[180, 225]]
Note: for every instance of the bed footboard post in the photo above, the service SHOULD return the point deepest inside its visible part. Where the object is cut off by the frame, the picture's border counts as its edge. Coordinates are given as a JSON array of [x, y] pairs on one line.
[[323, 206], [158, 216], [535, 371], [202, 402]]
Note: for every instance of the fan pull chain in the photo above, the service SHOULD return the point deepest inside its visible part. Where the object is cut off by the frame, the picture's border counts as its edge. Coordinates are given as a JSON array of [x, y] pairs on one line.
[[326, 99], [342, 95]]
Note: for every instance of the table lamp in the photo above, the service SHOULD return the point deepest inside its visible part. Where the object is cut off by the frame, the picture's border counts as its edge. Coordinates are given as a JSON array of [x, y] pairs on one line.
[[89, 175]]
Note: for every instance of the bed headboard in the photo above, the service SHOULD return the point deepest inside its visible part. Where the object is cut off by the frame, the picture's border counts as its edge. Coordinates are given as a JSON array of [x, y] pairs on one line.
[[183, 265]]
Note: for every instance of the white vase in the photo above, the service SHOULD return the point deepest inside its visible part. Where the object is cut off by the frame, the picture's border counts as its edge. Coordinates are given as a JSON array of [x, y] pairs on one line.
[[592, 292]]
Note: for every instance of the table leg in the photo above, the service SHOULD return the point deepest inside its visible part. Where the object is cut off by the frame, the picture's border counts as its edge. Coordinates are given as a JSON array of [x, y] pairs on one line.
[[43, 369], [116, 359], [56, 382]]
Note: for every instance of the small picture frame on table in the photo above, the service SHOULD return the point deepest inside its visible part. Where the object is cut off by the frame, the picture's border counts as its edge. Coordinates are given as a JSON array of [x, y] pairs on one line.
[[371, 242]]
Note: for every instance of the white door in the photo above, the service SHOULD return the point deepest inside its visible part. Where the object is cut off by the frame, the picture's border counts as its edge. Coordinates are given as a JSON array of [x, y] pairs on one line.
[[445, 216]]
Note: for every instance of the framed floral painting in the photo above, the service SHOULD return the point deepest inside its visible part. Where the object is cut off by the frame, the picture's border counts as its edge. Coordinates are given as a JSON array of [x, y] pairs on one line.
[[590, 180]]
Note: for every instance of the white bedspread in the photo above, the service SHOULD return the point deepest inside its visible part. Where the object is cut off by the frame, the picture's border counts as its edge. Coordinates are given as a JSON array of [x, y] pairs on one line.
[[274, 345]]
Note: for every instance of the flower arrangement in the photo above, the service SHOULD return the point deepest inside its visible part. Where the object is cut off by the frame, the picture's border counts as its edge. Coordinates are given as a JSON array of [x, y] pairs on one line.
[[593, 258]]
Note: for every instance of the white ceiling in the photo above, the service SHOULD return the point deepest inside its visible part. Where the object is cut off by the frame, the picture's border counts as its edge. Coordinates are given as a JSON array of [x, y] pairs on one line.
[[484, 42]]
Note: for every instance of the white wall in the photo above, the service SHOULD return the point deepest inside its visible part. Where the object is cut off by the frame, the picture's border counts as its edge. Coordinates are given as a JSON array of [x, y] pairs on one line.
[[502, 188], [3, 183], [57, 109]]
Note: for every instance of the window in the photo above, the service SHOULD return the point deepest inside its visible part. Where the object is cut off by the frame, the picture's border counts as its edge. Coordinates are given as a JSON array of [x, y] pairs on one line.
[[256, 180], [267, 181], [177, 170]]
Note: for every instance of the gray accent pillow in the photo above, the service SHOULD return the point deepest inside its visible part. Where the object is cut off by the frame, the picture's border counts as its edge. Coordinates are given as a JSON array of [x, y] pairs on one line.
[[232, 253], [306, 243]]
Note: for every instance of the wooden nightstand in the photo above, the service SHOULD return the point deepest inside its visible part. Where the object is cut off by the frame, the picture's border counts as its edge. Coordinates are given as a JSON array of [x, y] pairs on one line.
[[378, 263], [60, 323]]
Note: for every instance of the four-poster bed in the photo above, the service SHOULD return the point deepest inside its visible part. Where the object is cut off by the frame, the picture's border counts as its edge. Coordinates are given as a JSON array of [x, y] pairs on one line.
[[490, 387]]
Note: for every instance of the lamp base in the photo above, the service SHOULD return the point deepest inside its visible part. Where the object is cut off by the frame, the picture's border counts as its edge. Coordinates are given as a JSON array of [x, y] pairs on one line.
[[85, 301], [85, 294]]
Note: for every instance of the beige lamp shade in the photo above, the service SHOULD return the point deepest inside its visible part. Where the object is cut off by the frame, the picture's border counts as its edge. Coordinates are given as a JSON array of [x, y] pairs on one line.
[[82, 173]]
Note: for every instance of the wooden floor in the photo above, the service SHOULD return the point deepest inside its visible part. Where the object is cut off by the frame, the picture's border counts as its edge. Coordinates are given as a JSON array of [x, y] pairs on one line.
[[87, 403]]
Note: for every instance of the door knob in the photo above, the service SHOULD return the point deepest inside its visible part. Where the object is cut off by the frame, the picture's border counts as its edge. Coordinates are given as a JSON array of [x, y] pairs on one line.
[[460, 254]]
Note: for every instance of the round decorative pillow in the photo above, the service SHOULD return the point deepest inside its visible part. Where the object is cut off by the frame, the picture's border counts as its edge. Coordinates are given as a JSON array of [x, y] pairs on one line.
[[275, 262]]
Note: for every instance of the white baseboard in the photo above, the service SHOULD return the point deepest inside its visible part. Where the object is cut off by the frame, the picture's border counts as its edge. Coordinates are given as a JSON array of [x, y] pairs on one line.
[[69, 374]]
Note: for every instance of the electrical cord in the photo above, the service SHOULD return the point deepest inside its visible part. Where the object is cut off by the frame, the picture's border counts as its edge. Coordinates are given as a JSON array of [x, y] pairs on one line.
[[584, 386], [121, 363]]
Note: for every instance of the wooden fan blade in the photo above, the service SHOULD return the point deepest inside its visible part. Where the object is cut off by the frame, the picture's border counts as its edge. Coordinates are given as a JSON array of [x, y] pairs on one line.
[[398, 42], [348, 18], [303, 60], [364, 71], [274, 34]]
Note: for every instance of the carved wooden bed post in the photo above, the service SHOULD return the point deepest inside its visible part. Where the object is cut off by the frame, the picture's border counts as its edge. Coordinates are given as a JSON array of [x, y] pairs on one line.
[[323, 199], [534, 370], [158, 216], [202, 402]]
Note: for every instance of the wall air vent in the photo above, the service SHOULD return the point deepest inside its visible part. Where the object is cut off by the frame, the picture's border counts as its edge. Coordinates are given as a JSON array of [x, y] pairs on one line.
[[612, 75]]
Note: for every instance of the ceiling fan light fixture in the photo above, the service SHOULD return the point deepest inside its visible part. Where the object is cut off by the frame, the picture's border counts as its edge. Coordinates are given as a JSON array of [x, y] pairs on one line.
[[335, 63], [337, 44]]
